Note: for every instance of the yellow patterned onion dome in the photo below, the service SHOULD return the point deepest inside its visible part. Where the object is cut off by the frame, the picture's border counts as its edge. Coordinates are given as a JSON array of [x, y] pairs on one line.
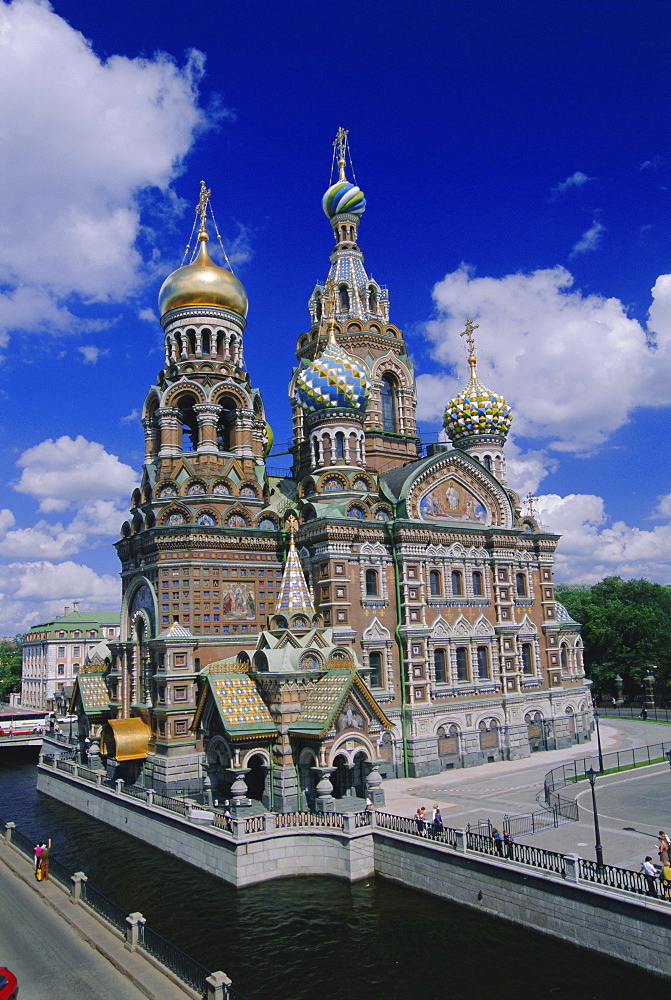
[[334, 379], [477, 411], [202, 283], [343, 197]]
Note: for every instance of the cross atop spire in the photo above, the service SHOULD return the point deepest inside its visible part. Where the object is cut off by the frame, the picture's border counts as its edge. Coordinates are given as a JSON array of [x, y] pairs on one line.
[[471, 327], [203, 202], [340, 143]]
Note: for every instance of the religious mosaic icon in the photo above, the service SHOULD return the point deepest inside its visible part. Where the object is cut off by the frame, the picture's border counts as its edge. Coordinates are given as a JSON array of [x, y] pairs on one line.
[[266, 524], [176, 518], [205, 519], [222, 489], [167, 491], [349, 717], [360, 484], [195, 488], [450, 500], [247, 491], [236, 521]]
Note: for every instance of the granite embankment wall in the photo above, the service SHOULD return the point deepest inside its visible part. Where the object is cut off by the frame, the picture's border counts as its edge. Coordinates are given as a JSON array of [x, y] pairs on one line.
[[633, 928], [239, 860]]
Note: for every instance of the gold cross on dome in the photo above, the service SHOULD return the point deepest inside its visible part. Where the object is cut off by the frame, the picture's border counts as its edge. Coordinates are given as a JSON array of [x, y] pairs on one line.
[[468, 334], [201, 207], [531, 502], [291, 525]]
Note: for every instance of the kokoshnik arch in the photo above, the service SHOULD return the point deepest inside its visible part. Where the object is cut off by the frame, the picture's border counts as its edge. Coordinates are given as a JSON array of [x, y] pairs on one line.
[[378, 610]]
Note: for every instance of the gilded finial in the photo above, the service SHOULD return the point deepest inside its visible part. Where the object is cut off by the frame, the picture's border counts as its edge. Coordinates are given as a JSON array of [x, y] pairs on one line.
[[340, 143], [470, 340], [201, 207], [291, 525], [531, 501]]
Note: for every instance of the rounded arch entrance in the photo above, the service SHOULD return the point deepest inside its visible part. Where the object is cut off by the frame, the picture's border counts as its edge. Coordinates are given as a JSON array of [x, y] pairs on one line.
[[308, 779], [218, 756], [351, 759], [257, 764]]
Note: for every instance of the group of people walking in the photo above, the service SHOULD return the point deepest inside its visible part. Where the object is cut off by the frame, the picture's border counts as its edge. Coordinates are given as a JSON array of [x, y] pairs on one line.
[[425, 826], [652, 876]]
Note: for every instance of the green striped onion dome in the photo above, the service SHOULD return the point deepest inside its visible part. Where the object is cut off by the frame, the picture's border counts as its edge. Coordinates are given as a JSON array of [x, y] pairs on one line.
[[343, 197]]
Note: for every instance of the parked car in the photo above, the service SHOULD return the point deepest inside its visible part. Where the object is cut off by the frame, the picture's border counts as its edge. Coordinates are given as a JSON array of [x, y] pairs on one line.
[[9, 986]]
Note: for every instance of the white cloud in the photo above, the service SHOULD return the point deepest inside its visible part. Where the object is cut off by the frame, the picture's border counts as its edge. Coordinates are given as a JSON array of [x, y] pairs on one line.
[[91, 353], [663, 508], [572, 366], [7, 520], [590, 549], [131, 417], [148, 315], [575, 180], [80, 139], [589, 240], [31, 592], [68, 472]]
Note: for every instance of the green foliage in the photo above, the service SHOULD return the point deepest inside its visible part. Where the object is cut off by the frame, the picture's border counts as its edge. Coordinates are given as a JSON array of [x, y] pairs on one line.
[[10, 666], [626, 630]]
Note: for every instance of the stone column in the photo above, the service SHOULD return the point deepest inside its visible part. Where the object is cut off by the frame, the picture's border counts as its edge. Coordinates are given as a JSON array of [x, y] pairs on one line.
[[217, 986], [170, 431], [78, 880], [207, 415], [374, 782], [239, 801], [325, 801], [8, 832], [134, 922]]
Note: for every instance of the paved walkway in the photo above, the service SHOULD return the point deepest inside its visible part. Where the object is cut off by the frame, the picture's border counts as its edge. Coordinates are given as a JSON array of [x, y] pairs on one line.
[[632, 805], [58, 951]]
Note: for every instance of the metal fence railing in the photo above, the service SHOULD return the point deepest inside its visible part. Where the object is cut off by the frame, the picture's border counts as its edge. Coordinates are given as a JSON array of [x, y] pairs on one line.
[[614, 760], [187, 969], [559, 812]]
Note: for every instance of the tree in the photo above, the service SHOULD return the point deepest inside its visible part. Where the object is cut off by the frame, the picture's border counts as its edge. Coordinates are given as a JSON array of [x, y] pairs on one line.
[[626, 630], [10, 666]]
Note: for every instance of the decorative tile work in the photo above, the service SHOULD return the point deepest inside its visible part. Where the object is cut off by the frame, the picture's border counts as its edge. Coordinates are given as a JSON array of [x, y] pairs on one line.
[[334, 379]]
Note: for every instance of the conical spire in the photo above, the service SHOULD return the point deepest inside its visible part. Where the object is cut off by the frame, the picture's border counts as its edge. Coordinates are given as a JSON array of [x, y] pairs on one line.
[[294, 594]]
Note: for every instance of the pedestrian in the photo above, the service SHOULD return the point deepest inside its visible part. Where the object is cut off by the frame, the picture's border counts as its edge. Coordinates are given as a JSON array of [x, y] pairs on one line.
[[664, 847], [498, 841], [508, 841], [420, 820], [649, 872], [369, 804], [36, 855], [437, 820], [644, 714], [44, 862], [665, 879]]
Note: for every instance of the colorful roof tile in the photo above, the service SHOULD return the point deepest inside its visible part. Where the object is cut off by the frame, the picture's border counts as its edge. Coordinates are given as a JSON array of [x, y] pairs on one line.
[[334, 379], [239, 704], [93, 691]]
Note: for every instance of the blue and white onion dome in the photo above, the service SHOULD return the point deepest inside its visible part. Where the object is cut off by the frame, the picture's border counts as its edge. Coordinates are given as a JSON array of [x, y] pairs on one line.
[[477, 411], [343, 197], [333, 380]]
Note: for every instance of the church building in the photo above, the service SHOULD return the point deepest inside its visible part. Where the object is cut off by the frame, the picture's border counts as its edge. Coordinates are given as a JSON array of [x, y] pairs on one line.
[[385, 609]]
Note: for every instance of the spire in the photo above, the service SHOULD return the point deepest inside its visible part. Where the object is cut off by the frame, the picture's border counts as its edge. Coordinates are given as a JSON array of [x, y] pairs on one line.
[[294, 594], [340, 143], [470, 340]]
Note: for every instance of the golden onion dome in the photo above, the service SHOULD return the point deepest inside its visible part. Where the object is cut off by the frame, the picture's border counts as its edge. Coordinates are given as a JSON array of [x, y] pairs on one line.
[[202, 283]]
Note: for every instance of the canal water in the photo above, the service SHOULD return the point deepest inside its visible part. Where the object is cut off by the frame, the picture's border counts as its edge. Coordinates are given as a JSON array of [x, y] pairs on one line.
[[314, 938]]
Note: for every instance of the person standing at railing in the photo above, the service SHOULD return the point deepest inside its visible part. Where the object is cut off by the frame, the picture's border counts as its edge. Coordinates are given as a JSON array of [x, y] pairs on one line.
[[43, 864], [663, 849], [508, 841], [498, 841], [437, 820], [420, 820], [665, 879], [649, 872]]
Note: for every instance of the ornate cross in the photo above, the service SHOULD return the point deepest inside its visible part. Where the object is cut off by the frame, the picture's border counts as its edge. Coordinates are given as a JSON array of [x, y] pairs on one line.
[[201, 207]]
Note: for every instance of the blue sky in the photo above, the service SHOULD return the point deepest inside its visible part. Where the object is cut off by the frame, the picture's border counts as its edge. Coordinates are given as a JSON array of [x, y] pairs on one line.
[[516, 165]]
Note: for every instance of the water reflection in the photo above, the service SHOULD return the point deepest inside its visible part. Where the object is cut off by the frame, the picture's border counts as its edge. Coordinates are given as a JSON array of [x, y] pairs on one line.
[[313, 938]]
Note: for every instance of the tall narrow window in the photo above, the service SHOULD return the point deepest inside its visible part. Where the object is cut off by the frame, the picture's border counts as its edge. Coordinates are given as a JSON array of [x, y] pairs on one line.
[[564, 658], [343, 295], [340, 445], [478, 588], [189, 423], [521, 584], [483, 663], [439, 665], [388, 398], [527, 667], [487, 462], [434, 583], [371, 583], [462, 664], [457, 585], [372, 300], [375, 664]]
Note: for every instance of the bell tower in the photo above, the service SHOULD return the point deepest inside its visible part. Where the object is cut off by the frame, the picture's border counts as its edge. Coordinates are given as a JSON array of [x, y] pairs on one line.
[[361, 325]]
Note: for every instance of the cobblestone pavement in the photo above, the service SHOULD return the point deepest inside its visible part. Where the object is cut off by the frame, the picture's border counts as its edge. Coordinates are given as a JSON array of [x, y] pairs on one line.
[[632, 805]]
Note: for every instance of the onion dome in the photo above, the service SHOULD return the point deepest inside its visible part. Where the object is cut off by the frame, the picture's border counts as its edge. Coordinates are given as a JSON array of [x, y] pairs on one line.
[[334, 379], [268, 438], [202, 283], [343, 197], [477, 412]]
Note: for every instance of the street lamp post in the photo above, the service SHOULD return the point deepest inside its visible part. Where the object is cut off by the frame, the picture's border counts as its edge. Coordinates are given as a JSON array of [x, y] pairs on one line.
[[591, 777], [598, 741]]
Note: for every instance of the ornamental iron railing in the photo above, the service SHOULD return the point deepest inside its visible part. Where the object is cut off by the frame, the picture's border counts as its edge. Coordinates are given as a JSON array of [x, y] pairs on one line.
[[186, 968], [614, 760]]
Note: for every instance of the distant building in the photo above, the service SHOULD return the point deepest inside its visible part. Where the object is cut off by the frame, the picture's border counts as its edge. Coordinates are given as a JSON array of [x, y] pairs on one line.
[[379, 606], [54, 652]]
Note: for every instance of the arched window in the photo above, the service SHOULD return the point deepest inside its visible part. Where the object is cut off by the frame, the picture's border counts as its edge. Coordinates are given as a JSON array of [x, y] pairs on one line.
[[483, 663], [563, 658], [371, 583], [375, 664], [527, 666], [478, 587], [205, 342], [388, 399], [318, 308], [448, 741], [487, 462], [372, 300], [457, 583], [521, 584], [340, 445], [189, 423], [435, 587], [439, 665], [343, 296], [225, 424], [462, 663]]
